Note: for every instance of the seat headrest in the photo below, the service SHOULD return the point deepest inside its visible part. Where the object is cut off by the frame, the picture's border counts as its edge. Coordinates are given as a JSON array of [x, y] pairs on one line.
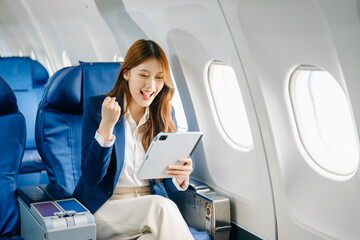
[[39, 74], [69, 86], [23, 73], [8, 102]]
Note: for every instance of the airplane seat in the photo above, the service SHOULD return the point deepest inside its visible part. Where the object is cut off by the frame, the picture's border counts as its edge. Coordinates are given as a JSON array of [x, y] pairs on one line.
[[27, 78], [59, 120], [198, 235], [12, 137]]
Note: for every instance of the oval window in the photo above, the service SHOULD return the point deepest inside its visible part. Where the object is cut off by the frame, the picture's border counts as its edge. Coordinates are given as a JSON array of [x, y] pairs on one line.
[[229, 104], [324, 121]]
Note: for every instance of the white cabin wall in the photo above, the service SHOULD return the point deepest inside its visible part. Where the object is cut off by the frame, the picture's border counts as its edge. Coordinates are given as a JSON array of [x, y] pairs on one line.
[[343, 18], [14, 34], [51, 27], [19, 36], [123, 26], [278, 36]]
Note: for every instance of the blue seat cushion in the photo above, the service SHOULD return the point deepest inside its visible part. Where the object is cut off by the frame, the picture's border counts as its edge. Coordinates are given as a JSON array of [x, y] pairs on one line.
[[31, 162], [7, 99], [12, 150], [17, 72], [199, 235], [11, 154], [28, 102], [23, 73], [27, 78]]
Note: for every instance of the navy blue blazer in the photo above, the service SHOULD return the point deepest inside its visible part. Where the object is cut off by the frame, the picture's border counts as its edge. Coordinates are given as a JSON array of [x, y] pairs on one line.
[[101, 166]]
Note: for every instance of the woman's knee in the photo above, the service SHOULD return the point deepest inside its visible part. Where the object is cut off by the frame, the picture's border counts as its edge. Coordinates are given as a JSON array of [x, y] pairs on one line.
[[162, 203]]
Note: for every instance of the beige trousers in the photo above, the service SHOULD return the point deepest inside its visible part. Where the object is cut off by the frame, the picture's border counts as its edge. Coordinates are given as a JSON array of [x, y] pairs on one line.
[[133, 213]]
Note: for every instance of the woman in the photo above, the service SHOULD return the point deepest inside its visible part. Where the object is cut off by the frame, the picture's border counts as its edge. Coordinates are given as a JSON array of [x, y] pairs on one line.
[[117, 131]]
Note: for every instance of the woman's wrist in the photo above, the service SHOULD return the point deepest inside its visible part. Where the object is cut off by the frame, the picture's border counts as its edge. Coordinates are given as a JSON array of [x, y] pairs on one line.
[[106, 132], [180, 181]]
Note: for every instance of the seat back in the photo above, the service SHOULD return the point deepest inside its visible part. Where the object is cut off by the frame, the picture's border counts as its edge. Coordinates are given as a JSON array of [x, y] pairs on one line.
[[59, 117], [12, 144], [27, 78]]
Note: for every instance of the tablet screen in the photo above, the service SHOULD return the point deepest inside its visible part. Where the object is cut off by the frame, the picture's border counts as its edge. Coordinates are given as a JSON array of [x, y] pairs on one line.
[[166, 149]]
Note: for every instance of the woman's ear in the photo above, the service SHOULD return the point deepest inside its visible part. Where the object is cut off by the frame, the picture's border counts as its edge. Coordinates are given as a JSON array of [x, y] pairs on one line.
[[126, 74]]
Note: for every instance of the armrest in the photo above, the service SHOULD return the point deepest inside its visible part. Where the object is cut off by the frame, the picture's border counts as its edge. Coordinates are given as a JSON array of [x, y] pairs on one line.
[[197, 186], [48, 211], [204, 209], [42, 193]]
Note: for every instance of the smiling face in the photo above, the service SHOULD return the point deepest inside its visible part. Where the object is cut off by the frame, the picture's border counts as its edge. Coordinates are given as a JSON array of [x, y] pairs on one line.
[[145, 81]]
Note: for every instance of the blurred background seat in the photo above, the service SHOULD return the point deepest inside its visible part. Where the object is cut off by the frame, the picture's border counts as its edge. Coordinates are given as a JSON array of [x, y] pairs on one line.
[[12, 145], [27, 78]]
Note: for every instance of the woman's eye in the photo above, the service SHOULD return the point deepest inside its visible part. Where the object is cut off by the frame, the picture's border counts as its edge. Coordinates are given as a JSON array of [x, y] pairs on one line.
[[159, 78], [143, 75]]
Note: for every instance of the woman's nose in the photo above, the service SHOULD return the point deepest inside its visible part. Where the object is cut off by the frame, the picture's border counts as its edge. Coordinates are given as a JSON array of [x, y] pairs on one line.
[[150, 83]]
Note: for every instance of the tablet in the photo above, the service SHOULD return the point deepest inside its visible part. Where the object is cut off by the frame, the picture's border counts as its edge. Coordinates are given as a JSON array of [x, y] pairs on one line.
[[166, 149]]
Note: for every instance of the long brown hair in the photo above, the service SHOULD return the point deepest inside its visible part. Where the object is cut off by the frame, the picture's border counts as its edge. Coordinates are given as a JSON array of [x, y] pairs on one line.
[[160, 119]]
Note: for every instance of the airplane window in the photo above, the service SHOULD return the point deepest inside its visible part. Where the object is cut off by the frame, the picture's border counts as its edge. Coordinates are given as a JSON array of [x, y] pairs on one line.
[[324, 120], [229, 104]]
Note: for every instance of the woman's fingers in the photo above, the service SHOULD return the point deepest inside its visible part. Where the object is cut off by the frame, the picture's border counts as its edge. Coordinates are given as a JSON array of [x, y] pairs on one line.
[[110, 114], [186, 161], [178, 173], [110, 106], [107, 99], [181, 170], [110, 102]]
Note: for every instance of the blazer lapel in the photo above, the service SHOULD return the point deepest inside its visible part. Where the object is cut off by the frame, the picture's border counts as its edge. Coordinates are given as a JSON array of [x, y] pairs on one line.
[[119, 145]]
